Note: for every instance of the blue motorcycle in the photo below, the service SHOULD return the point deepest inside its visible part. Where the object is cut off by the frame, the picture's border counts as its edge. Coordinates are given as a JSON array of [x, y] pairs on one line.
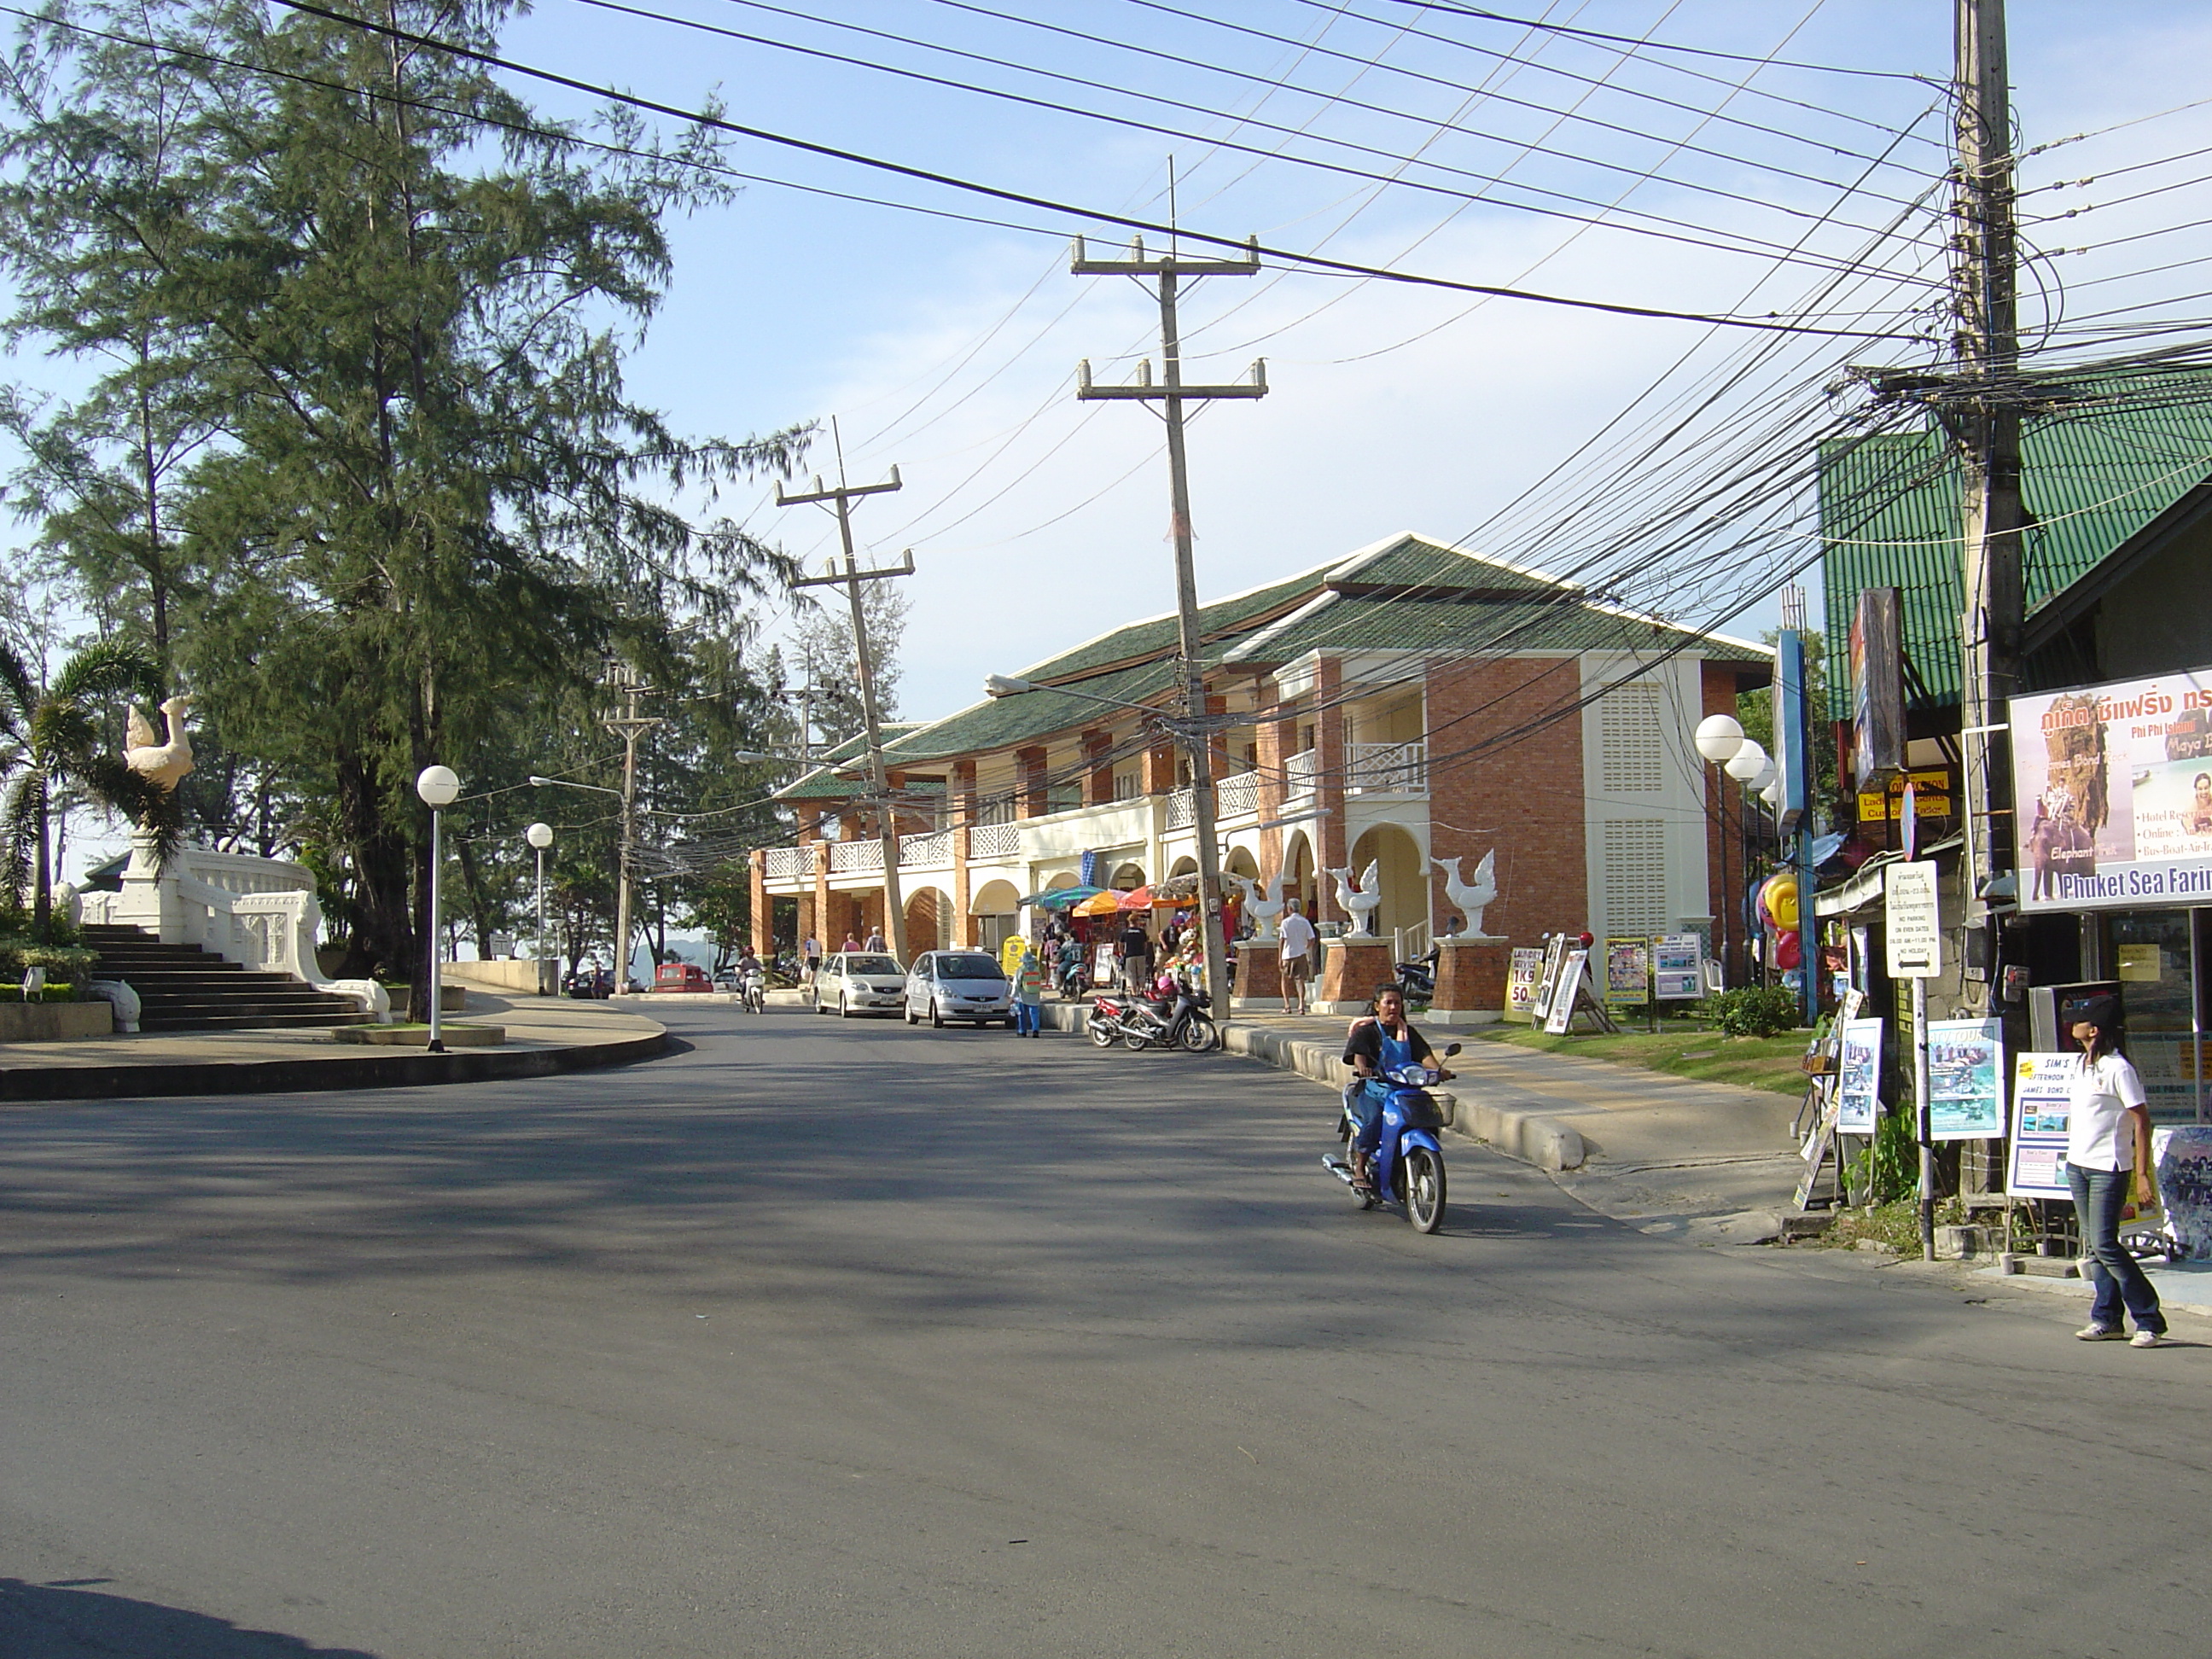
[[1407, 1169]]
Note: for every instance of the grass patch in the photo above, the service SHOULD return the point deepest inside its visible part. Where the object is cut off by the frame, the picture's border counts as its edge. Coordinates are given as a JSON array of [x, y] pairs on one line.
[[1695, 1051]]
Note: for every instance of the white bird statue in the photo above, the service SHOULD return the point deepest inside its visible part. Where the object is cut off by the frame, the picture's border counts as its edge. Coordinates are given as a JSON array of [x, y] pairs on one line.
[[1362, 902], [1470, 900], [1263, 911], [162, 764]]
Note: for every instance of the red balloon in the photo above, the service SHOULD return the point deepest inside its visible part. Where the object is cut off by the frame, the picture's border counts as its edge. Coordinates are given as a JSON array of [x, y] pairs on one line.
[[1789, 951]]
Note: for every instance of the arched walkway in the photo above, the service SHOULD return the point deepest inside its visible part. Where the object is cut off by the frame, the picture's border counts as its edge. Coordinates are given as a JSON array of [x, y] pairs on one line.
[[996, 910], [1126, 878], [928, 912], [1298, 873], [1401, 872]]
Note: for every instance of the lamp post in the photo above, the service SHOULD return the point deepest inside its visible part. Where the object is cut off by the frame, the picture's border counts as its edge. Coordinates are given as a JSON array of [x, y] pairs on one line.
[[1745, 766], [1717, 739], [438, 786], [540, 836]]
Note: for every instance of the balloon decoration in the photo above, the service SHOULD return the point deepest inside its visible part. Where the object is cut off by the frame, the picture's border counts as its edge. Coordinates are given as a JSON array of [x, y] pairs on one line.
[[1777, 903], [1788, 951]]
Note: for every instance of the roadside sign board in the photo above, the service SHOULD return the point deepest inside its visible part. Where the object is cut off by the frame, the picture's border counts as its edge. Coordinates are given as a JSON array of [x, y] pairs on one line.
[[1912, 925], [1675, 965], [2042, 1101]]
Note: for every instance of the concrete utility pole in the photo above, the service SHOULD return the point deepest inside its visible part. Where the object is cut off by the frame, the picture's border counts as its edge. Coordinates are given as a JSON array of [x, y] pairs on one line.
[[1986, 346], [631, 726], [1172, 394], [850, 579]]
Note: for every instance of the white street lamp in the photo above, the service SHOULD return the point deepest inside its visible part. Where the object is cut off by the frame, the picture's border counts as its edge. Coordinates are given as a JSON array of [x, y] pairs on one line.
[[1763, 779], [438, 786], [1743, 765], [540, 836], [1718, 738]]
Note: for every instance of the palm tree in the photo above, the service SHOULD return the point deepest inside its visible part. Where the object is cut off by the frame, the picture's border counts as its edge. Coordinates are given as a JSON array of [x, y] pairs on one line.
[[55, 741]]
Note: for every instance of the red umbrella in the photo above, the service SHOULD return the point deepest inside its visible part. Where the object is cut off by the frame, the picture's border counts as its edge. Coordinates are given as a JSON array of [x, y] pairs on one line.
[[1137, 898]]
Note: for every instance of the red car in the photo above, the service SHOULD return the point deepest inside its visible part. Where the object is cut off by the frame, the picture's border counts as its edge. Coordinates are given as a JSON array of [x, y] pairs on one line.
[[680, 977]]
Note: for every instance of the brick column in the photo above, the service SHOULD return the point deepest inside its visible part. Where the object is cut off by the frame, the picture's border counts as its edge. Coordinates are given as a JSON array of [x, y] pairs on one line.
[[1032, 765], [1330, 850], [1259, 978], [1470, 982], [1097, 768], [763, 918], [1352, 968]]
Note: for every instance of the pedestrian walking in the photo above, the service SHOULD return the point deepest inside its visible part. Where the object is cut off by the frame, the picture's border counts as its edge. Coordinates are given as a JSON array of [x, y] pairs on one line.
[[1029, 994], [810, 957], [2107, 1142], [850, 944], [1296, 958], [875, 939], [1132, 953]]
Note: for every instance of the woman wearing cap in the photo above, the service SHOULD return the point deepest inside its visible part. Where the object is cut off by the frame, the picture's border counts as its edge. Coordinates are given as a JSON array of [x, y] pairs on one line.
[[2107, 1138]]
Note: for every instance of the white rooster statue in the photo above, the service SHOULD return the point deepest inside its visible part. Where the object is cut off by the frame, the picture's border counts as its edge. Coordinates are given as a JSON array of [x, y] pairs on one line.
[[1263, 911], [162, 764], [1471, 899], [1362, 902]]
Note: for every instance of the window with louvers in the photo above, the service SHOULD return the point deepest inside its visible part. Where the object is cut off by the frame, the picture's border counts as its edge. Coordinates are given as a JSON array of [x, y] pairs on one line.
[[1635, 876], [1633, 759]]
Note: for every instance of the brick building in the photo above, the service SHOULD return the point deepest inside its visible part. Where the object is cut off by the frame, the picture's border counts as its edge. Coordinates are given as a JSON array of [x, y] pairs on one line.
[[1409, 702]]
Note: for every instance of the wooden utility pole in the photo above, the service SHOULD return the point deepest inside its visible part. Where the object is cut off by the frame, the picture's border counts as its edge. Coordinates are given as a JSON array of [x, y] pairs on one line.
[[1171, 393], [631, 726], [850, 579], [1986, 346]]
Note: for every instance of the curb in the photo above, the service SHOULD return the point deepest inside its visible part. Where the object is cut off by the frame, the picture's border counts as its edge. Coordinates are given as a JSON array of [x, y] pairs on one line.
[[1530, 1137], [264, 1076]]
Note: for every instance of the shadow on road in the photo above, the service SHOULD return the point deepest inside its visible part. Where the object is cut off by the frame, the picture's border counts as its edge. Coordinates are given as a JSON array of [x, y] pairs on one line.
[[67, 1621]]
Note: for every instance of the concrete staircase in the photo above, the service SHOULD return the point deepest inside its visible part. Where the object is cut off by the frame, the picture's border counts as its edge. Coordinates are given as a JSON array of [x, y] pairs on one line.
[[183, 988]]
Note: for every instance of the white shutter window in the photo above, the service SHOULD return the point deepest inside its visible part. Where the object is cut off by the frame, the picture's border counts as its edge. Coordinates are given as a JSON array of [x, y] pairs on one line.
[[1635, 876], [1632, 756]]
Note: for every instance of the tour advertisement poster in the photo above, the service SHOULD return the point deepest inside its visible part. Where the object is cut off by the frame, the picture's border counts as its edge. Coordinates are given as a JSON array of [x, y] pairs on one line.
[[1628, 972], [2183, 1156], [1524, 972], [1965, 1080], [2114, 791], [1858, 1078], [2042, 1101], [1677, 967]]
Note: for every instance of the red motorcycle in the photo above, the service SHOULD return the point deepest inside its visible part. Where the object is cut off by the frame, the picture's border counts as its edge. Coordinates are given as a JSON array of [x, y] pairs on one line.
[[1181, 1021]]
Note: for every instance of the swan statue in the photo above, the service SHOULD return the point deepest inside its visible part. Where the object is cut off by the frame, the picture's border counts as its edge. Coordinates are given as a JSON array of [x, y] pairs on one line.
[[1470, 899], [1360, 902], [1263, 911], [162, 764]]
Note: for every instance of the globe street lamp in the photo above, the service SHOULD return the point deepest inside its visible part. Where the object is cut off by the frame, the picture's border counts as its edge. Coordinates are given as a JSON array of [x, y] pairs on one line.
[[540, 836], [1717, 739], [438, 786]]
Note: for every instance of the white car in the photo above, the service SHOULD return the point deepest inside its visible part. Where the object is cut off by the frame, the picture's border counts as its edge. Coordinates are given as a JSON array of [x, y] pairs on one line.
[[958, 985], [859, 982]]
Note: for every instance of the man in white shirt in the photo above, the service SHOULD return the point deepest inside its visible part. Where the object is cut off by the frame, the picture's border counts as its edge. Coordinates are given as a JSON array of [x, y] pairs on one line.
[[1296, 958], [2107, 1140]]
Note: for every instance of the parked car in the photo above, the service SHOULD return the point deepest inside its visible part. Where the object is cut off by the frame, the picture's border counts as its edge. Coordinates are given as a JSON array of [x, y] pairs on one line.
[[966, 985], [680, 977], [725, 980], [858, 982]]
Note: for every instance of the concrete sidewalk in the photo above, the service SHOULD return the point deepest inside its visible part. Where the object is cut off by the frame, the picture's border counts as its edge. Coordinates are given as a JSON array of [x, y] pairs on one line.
[[545, 1036], [1666, 1154]]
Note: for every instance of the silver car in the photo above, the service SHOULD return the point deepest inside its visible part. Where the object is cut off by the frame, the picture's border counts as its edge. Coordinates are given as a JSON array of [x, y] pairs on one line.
[[968, 985], [858, 982]]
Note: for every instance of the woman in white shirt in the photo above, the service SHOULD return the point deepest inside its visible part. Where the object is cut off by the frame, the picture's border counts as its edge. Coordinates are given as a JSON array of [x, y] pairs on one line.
[[2108, 1138]]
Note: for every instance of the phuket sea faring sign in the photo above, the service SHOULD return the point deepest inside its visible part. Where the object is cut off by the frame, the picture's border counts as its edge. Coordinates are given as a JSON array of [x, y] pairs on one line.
[[2113, 793]]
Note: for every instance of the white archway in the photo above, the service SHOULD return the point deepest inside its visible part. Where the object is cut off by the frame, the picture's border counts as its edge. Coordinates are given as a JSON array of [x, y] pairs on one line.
[[1126, 878], [1401, 872]]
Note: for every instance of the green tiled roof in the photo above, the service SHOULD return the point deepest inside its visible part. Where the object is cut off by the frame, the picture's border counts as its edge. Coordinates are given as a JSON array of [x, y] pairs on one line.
[[1157, 634], [1343, 622], [1890, 513]]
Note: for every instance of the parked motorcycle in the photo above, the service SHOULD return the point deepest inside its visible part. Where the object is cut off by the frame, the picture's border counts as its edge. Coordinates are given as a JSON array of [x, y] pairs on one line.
[[1181, 1021], [1417, 980], [1407, 1169]]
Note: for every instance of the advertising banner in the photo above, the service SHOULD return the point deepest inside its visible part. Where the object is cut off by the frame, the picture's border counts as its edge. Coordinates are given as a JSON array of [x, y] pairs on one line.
[[1858, 1078], [1524, 972], [1555, 953], [1565, 989], [1877, 686], [1965, 1080], [1627, 972], [1677, 967], [2042, 1100], [2112, 786]]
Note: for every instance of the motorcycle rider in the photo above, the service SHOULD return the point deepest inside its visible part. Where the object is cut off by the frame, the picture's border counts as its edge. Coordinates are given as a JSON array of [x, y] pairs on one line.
[[1374, 1045], [749, 970]]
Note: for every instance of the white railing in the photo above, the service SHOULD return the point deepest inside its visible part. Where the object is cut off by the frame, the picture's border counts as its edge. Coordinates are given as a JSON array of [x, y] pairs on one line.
[[1182, 810], [990, 842], [1240, 794], [259, 913], [1410, 943], [1299, 771], [847, 856], [1390, 768], [790, 863], [934, 846]]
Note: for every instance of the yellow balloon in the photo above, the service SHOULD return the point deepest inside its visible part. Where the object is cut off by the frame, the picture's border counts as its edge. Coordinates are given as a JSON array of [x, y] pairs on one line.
[[1780, 900]]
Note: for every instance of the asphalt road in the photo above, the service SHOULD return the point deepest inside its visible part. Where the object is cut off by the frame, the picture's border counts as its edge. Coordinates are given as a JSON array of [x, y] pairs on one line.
[[838, 1339]]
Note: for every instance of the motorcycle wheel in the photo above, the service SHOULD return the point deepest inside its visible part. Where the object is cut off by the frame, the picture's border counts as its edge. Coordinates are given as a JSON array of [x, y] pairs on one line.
[[1100, 1033], [1135, 1041], [1424, 1177], [1200, 1037]]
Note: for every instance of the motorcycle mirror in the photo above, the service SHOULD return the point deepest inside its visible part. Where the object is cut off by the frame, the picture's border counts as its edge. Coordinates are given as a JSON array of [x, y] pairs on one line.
[[1450, 1049]]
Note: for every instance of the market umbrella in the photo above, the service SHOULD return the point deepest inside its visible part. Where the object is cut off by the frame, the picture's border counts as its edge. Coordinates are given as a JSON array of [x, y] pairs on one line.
[[1061, 898], [1098, 904], [1137, 898], [1177, 890]]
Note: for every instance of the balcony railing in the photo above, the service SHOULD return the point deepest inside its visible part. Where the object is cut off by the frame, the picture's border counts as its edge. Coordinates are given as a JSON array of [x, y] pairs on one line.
[[790, 863], [1238, 794], [934, 846], [847, 856], [1299, 771], [988, 841], [1182, 810], [1396, 768]]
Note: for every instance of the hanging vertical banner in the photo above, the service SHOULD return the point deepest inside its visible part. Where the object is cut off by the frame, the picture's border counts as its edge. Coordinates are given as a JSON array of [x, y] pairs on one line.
[[1793, 788], [1877, 686], [2042, 1101], [1858, 1080], [1965, 1080]]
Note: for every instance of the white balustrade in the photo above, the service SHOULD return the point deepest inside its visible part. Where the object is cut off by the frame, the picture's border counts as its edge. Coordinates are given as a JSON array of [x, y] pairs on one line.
[[934, 846], [1299, 771], [1398, 768], [1182, 810], [988, 843], [790, 863], [1238, 794], [847, 856]]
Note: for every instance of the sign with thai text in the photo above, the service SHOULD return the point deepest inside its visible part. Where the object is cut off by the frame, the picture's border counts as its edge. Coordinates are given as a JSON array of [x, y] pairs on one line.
[[1911, 924]]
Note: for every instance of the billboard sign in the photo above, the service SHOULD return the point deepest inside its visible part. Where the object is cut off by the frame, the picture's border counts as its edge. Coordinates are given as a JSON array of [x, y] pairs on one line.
[[2113, 794], [1877, 686]]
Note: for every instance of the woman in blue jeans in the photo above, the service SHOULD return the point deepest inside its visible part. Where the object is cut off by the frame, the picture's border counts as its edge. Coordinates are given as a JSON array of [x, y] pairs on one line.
[[2108, 1139]]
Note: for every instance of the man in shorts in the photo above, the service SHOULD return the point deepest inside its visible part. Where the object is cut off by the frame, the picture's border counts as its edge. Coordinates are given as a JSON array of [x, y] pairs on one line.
[[1296, 958]]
